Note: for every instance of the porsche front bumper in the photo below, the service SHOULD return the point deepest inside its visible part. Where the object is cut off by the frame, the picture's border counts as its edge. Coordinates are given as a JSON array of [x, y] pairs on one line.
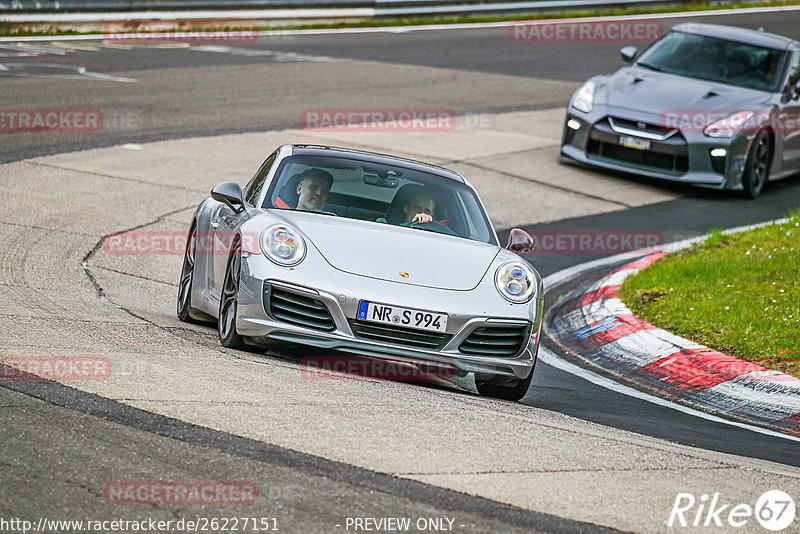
[[330, 300]]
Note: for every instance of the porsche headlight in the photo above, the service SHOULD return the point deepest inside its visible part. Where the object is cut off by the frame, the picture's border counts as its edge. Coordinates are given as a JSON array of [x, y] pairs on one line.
[[729, 125], [515, 282], [283, 245], [584, 98]]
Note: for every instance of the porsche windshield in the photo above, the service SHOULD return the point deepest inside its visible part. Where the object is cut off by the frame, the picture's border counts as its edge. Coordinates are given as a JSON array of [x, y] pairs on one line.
[[379, 193], [717, 60]]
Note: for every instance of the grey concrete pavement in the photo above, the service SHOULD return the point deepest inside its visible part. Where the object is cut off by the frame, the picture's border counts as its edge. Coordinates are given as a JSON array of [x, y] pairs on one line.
[[512, 453], [66, 458]]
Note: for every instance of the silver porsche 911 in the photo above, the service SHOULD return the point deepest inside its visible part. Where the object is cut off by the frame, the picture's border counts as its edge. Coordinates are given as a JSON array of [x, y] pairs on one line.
[[709, 105], [370, 254]]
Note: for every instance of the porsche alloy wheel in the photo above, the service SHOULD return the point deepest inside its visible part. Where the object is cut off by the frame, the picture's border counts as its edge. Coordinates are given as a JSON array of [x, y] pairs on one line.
[[229, 301], [186, 313], [756, 171]]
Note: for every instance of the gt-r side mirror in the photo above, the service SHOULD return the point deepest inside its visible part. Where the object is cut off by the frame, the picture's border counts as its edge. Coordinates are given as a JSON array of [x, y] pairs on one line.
[[628, 53], [519, 241], [230, 193]]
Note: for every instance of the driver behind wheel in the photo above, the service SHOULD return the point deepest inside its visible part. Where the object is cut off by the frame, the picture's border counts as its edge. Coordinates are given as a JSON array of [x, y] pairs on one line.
[[412, 203], [419, 208]]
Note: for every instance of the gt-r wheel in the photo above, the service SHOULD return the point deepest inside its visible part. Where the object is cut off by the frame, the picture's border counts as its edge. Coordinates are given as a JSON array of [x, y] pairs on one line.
[[510, 390], [756, 171], [229, 301], [186, 313]]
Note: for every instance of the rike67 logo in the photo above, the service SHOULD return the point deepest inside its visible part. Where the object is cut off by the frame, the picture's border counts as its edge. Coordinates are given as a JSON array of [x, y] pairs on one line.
[[774, 510]]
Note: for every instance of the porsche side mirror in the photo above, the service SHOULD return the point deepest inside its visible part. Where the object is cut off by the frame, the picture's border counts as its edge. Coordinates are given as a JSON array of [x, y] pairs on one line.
[[628, 53], [519, 241], [230, 193]]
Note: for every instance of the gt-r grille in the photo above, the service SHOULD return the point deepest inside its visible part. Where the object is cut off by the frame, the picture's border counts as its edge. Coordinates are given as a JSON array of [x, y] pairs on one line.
[[297, 309], [399, 336], [642, 126], [671, 163], [495, 341], [669, 155]]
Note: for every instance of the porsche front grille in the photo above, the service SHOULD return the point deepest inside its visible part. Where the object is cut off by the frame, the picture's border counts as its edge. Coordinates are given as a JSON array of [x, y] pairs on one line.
[[297, 309], [494, 341], [399, 336]]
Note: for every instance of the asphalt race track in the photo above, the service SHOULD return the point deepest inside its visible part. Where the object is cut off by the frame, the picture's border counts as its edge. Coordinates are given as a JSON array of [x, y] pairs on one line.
[[177, 119]]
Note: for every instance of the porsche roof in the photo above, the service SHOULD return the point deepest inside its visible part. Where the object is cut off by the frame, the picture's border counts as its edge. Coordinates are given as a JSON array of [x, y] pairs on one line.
[[372, 157]]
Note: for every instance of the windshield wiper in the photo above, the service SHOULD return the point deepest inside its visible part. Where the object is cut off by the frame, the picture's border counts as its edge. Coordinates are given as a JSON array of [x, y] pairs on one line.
[[651, 67]]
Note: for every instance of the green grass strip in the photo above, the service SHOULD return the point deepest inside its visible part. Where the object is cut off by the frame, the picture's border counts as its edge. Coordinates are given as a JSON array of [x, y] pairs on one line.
[[738, 294]]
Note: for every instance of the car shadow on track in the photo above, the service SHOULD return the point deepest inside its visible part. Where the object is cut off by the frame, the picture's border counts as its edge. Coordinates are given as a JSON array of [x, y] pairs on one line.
[[320, 364]]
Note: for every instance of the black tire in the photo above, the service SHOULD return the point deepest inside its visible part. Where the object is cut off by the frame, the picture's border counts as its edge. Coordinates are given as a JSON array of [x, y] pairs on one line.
[[512, 390], [756, 170], [229, 301], [186, 313]]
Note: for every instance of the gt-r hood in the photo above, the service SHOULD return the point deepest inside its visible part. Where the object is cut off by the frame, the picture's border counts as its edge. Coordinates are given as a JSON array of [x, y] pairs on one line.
[[657, 93], [384, 251]]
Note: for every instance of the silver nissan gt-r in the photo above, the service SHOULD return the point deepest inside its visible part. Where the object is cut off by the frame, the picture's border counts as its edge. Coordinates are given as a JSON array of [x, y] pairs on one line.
[[370, 254], [708, 105]]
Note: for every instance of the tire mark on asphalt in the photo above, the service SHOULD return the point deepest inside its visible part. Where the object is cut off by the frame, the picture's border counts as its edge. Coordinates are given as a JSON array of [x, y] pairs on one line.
[[139, 276], [111, 176]]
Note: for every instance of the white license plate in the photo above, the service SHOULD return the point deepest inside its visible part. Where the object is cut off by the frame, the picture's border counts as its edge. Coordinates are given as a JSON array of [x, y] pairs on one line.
[[405, 317], [634, 142]]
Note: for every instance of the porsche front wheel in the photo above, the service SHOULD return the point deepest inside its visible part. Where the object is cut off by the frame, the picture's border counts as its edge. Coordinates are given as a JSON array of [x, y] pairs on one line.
[[186, 313], [229, 301]]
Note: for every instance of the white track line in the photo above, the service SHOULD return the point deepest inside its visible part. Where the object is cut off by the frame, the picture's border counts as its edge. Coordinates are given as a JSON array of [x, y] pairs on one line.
[[432, 27], [550, 358], [554, 360]]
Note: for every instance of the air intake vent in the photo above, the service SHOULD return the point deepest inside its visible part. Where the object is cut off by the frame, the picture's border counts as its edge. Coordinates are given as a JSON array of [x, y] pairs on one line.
[[399, 336], [297, 309], [495, 341]]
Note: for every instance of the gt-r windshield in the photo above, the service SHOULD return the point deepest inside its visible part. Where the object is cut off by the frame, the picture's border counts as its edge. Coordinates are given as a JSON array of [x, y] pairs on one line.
[[717, 60], [380, 194]]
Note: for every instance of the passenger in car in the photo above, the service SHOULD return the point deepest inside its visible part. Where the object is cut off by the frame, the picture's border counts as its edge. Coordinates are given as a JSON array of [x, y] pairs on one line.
[[313, 189]]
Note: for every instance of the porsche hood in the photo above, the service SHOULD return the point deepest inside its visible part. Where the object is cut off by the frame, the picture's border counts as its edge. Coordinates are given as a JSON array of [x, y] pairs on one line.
[[396, 254]]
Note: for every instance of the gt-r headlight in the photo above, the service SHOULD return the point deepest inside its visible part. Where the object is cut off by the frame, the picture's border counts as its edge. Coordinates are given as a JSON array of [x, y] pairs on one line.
[[283, 245], [584, 97], [728, 126], [515, 282]]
